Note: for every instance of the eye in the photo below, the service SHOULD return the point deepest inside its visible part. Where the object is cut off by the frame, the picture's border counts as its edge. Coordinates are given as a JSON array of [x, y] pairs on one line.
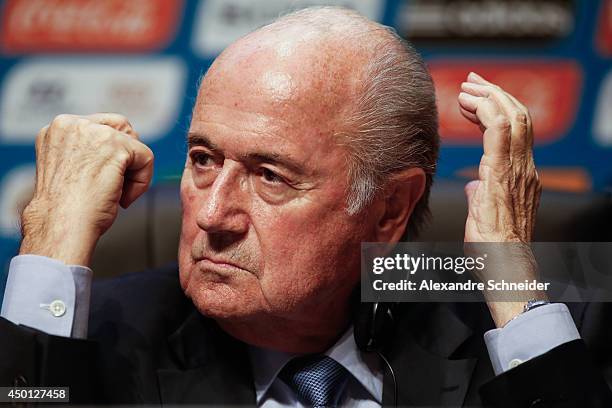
[[270, 176], [201, 159]]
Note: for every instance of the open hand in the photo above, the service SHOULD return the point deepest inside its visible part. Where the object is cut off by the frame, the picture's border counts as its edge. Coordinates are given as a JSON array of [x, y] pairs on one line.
[[502, 203]]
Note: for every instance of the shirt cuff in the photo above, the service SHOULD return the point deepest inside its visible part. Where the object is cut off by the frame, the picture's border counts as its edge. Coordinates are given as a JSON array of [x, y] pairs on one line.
[[47, 295], [529, 335]]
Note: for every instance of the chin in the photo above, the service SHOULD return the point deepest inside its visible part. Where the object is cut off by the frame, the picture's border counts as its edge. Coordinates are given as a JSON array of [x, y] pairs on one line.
[[220, 298]]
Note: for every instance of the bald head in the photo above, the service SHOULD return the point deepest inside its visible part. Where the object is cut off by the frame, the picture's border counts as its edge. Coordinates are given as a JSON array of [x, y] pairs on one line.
[[309, 64]]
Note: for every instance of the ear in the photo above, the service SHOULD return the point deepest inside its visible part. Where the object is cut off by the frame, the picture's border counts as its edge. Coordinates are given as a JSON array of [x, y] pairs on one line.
[[403, 191]]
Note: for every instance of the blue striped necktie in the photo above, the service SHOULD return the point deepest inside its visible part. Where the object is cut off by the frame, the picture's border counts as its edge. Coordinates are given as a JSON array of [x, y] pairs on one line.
[[317, 380]]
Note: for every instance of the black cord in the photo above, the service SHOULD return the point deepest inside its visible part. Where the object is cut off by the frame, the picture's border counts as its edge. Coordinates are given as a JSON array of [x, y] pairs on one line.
[[392, 377]]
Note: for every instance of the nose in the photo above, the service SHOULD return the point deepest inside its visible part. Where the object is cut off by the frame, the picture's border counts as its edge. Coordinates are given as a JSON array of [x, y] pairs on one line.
[[223, 209]]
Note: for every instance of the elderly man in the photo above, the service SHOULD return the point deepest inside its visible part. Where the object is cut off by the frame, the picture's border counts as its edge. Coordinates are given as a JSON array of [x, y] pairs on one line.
[[309, 136]]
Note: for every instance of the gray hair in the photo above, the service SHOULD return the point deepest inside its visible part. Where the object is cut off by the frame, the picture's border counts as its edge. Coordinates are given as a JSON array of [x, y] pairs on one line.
[[394, 124]]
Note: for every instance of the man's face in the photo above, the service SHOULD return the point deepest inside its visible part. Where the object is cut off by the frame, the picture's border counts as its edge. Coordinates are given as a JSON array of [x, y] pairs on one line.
[[265, 229]]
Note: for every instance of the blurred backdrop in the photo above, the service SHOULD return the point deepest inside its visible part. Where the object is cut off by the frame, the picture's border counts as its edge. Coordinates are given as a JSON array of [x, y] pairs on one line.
[[142, 58]]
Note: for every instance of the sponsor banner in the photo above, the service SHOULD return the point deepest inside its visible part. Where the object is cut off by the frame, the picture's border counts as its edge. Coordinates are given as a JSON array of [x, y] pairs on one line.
[[16, 189], [149, 91], [218, 23], [466, 21], [604, 33], [549, 89], [603, 113], [88, 25]]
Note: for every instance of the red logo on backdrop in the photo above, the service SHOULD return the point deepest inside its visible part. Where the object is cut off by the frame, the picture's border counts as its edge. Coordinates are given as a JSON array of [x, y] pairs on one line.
[[88, 25], [550, 90], [604, 35]]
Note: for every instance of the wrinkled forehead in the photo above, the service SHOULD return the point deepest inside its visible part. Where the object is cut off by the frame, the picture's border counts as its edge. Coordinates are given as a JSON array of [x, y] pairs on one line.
[[297, 75]]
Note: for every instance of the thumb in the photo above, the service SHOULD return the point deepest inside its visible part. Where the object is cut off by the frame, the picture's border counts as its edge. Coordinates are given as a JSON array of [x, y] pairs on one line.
[[139, 173]]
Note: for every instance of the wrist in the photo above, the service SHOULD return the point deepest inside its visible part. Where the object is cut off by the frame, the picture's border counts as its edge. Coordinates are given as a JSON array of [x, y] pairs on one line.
[[69, 241], [503, 312]]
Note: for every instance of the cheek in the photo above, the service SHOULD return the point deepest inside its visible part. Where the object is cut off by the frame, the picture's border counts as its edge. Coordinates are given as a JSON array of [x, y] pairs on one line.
[[310, 252], [189, 229]]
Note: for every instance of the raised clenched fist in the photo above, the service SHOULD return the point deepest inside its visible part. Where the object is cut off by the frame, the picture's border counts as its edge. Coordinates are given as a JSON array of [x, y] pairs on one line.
[[86, 166]]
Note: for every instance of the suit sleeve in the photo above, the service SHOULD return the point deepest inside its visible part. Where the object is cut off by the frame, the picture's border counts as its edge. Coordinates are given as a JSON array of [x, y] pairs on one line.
[[564, 377], [29, 357]]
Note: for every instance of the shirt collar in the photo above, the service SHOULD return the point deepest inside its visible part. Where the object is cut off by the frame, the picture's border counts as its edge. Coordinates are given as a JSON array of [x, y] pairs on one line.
[[266, 365], [365, 367]]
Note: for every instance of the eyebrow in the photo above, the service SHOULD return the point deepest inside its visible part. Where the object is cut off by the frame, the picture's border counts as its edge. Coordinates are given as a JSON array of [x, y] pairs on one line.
[[196, 139]]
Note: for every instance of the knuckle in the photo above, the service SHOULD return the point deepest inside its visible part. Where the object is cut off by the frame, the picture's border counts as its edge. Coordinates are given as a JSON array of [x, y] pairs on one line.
[[534, 178], [538, 182], [146, 149], [112, 148], [117, 144], [119, 118], [502, 123], [150, 156], [122, 154], [127, 128], [80, 120], [62, 120], [520, 118], [40, 137], [111, 138], [101, 133], [81, 124]]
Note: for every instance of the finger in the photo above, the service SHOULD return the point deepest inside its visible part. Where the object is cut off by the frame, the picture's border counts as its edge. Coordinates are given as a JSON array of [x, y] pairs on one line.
[[491, 91], [523, 108], [39, 147], [470, 188], [139, 173], [482, 110], [469, 115], [468, 102], [518, 117], [472, 118], [476, 78], [138, 166], [114, 120], [496, 136]]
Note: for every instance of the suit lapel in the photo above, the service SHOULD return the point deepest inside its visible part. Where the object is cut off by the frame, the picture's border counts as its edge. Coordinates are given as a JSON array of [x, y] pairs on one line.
[[423, 356], [211, 367]]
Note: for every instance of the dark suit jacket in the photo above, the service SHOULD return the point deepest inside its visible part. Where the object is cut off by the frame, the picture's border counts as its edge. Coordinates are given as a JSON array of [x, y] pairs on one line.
[[148, 344]]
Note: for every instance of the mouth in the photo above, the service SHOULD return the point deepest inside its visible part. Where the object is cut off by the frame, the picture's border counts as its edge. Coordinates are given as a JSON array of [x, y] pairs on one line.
[[218, 266]]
